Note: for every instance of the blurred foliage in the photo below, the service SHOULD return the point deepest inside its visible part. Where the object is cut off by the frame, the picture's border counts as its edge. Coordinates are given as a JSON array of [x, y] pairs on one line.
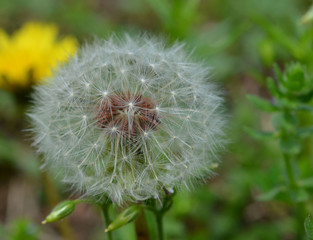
[[20, 229], [241, 40]]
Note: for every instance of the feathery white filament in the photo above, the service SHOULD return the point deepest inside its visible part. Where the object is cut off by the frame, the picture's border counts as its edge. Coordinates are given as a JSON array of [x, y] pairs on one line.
[[128, 118]]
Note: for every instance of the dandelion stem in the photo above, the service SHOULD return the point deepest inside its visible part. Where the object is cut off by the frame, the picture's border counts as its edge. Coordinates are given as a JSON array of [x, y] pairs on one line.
[[159, 223], [159, 213], [105, 212]]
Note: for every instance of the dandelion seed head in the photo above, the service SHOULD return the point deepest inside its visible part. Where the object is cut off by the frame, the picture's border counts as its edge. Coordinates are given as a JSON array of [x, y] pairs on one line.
[[135, 139]]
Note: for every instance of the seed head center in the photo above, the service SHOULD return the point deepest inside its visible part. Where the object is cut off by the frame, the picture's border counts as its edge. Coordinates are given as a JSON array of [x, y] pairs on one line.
[[130, 114]]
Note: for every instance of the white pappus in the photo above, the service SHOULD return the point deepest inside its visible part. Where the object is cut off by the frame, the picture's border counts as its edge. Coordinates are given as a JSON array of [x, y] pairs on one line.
[[127, 118]]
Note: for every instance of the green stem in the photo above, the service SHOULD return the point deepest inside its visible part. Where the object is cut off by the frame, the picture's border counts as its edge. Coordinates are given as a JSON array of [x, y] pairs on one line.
[[290, 174], [159, 213], [159, 222], [299, 207], [105, 212]]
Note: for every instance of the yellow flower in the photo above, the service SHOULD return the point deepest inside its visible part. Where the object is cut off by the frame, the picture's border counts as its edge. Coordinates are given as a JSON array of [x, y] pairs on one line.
[[31, 53]]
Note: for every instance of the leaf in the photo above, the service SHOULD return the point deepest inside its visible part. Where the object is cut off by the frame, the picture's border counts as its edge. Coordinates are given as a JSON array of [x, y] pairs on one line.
[[271, 85], [302, 196], [262, 104], [23, 229], [260, 135], [270, 195], [305, 107], [278, 73], [162, 9], [290, 119], [308, 16], [279, 35], [126, 216], [290, 145], [306, 183], [305, 132], [306, 97], [308, 226], [284, 121], [267, 52]]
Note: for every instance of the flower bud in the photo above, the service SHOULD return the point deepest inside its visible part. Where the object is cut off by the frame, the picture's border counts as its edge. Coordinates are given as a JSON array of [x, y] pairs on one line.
[[127, 216], [60, 211]]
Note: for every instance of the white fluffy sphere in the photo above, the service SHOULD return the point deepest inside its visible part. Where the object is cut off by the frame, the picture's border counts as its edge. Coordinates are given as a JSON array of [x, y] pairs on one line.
[[128, 118]]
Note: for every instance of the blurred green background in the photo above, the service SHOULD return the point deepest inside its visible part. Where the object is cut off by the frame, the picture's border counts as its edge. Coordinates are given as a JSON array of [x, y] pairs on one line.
[[240, 40]]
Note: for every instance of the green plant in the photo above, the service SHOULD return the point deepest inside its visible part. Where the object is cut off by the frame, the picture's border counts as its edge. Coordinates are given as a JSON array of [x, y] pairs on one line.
[[133, 126], [291, 93]]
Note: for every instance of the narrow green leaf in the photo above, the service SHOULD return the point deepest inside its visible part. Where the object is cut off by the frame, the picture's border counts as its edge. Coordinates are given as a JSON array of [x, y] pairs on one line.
[[277, 34], [270, 195], [306, 97], [290, 145], [305, 107], [302, 196], [273, 88], [306, 183], [267, 52], [308, 226], [308, 16], [284, 121], [278, 73], [290, 119], [260, 135], [23, 229], [305, 132], [262, 104], [162, 9], [126, 216]]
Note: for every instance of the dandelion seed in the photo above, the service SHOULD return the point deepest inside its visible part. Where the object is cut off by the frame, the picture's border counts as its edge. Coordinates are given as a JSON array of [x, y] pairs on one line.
[[137, 140]]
